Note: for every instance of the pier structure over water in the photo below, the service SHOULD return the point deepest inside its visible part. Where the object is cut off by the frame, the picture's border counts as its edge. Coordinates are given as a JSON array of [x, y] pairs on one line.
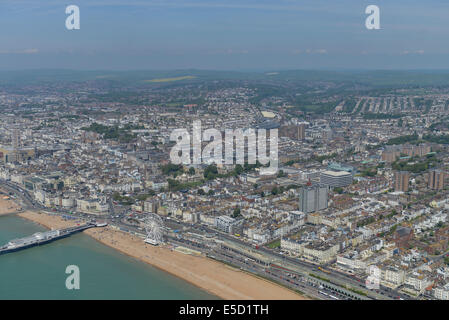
[[41, 238]]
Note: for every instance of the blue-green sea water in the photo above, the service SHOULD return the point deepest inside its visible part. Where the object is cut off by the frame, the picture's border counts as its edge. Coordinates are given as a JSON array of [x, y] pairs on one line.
[[39, 272]]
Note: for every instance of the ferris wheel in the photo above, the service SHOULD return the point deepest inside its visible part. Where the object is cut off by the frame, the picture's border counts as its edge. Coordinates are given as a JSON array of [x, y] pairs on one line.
[[153, 228]]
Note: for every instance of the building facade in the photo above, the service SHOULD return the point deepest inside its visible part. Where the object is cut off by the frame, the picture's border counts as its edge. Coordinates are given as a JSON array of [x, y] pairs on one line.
[[336, 178], [313, 198]]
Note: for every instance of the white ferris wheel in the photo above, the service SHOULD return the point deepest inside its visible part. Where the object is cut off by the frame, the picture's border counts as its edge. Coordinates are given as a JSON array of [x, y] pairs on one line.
[[153, 228]]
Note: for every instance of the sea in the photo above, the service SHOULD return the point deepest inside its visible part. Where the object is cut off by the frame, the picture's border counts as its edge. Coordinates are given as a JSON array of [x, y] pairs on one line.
[[104, 273]]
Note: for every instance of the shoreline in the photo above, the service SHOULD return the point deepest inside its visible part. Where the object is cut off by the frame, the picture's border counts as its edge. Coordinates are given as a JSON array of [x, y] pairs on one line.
[[8, 206], [214, 277]]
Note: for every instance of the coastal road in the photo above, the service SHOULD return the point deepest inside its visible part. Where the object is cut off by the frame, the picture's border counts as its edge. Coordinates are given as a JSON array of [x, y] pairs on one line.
[[28, 202], [337, 278]]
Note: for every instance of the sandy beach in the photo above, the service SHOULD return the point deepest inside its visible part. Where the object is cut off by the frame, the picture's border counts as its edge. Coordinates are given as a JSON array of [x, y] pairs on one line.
[[8, 206], [212, 276]]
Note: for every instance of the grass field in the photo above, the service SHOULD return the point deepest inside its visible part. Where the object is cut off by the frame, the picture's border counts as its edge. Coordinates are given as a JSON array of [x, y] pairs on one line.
[[274, 244], [171, 79]]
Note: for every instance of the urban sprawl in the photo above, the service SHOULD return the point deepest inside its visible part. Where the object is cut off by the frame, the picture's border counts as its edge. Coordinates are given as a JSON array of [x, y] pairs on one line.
[[360, 186]]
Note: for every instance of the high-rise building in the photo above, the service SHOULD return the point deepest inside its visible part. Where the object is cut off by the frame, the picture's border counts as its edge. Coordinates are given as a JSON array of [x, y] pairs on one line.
[[302, 131], [336, 178], [436, 179], [313, 198], [15, 139], [401, 180]]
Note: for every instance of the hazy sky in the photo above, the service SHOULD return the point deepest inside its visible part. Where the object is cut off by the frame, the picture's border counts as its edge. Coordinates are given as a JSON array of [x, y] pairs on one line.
[[224, 34]]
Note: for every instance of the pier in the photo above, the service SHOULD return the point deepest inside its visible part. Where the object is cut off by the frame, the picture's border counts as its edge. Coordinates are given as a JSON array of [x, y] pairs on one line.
[[41, 238]]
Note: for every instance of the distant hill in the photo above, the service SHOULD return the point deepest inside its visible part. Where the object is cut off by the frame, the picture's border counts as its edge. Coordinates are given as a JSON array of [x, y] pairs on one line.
[[375, 79]]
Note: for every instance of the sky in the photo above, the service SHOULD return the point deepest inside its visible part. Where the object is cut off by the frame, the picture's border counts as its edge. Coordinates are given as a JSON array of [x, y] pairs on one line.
[[224, 35]]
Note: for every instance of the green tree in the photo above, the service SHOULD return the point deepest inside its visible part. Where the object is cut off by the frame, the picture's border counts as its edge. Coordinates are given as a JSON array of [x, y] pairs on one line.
[[238, 169], [338, 190], [211, 172]]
